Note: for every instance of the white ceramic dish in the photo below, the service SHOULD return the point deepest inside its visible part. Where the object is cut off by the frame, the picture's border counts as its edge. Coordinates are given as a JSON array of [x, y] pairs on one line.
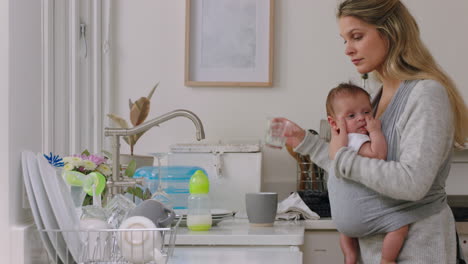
[[62, 206], [26, 157], [214, 212], [217, 215], [45, 210], [215, 221], [139, 246]]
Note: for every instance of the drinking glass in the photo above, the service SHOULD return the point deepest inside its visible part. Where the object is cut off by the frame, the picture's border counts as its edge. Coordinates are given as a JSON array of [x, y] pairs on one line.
[[274, 136], [160, 194], [117, 209]]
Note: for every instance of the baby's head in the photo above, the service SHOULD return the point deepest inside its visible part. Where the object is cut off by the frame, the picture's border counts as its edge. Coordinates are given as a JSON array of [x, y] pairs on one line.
[[351, 103]]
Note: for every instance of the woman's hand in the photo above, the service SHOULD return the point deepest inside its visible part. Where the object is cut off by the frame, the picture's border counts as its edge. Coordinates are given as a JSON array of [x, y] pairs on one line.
[[294, 134], [339, 138]]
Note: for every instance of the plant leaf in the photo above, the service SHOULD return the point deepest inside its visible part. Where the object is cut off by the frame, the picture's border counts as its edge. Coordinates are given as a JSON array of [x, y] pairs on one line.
[[152, 91], [85, 152], [137, 191], [133, 140], [138, 136], [107, 154], [126, 139], [123, 124], [88, 200], [130, 170], [130, 104], [139, 111], [147, 194], [118, 120]]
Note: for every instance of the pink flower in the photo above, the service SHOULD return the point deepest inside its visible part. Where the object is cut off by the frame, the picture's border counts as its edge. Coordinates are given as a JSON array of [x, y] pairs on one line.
[[98, 160]]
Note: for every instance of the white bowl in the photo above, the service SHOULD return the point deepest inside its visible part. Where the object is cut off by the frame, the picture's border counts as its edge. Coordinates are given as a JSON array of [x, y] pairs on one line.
[[139, 246]]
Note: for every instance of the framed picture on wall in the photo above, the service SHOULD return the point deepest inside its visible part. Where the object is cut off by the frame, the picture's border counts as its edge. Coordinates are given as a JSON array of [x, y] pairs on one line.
[[229, 43]]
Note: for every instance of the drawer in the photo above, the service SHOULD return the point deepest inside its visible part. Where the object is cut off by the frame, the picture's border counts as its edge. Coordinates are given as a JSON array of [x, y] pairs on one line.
[[322, 247]]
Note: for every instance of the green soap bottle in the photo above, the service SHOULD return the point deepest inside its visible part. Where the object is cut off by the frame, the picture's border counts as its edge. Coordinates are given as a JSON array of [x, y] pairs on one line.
[[198, 205]]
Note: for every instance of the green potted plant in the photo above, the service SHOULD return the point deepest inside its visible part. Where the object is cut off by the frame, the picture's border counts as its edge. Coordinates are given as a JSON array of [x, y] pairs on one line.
[[139, 111]]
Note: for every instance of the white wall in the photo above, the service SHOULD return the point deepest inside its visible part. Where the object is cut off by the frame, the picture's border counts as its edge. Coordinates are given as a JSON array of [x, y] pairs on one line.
[[148, 46], [4, 168], [20, 108], [25, 122]]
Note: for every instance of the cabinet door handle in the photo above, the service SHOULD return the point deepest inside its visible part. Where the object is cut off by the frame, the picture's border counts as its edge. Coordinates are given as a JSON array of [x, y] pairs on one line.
[[320, 250]]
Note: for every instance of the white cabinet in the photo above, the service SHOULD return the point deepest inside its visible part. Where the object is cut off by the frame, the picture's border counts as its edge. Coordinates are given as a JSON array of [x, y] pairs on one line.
[[235, 241], [322, 246]]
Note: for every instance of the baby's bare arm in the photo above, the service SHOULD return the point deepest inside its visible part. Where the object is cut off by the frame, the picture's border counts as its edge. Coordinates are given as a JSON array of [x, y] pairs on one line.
[[377, 147]]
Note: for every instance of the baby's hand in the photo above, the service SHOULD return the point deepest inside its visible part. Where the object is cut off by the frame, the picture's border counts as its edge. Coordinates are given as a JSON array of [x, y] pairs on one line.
[[373, 125], [339, 138]]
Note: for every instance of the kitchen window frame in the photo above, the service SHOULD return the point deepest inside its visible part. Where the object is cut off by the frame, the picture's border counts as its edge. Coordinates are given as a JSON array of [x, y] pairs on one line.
[[76, 88]]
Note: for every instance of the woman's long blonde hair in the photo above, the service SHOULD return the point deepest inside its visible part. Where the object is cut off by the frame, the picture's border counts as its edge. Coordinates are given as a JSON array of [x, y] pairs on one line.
[[408, 58]]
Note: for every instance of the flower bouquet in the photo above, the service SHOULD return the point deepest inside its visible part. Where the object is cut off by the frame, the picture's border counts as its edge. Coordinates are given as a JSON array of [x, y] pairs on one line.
[[88, 171]]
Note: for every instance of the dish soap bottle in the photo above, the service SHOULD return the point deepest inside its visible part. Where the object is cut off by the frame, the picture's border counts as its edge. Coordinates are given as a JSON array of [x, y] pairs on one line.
[[198, 205]]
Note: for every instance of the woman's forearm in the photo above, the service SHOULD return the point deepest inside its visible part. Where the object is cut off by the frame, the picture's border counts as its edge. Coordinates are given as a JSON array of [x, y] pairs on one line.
[[316, 148]]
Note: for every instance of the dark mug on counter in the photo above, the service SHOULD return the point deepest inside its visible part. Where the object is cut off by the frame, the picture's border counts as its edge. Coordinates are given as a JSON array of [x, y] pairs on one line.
[[261, 208]]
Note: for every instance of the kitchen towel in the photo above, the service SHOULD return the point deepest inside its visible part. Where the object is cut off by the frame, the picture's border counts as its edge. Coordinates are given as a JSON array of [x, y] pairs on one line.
[[293, 208]]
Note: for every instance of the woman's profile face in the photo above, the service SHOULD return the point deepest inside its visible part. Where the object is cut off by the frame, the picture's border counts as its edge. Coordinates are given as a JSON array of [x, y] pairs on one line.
[[364, 45]]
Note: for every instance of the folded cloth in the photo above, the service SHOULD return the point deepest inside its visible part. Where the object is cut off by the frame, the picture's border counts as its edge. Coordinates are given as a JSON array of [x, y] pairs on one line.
[[293, 208]]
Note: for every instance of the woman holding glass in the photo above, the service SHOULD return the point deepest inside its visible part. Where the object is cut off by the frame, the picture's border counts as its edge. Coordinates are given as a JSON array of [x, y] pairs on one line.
[[423, 117]]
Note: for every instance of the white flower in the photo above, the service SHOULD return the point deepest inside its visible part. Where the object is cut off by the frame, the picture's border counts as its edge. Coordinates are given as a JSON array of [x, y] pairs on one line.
[[75, 161], [104, 169], [88, 165], [67, 159], [68, 167]]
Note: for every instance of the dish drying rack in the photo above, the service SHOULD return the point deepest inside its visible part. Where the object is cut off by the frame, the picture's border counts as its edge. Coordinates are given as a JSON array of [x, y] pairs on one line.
[[111, 246]]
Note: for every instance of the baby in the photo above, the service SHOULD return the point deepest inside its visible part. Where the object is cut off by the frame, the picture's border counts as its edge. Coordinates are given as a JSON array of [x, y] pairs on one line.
[[350, 205]]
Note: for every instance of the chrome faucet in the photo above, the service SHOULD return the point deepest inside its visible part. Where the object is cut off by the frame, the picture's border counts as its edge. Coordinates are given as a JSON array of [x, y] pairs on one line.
[[118, 181]]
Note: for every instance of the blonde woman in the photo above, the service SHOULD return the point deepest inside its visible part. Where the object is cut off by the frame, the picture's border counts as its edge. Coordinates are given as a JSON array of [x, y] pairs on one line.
[[423, 117]]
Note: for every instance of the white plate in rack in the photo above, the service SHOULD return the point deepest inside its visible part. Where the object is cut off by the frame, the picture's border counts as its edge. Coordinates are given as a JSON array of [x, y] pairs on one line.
[[62, 206], [26, 158], [45, 210]]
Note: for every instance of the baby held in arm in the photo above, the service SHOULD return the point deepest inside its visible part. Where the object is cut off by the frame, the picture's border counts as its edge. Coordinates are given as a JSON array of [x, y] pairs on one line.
[[353, 206]]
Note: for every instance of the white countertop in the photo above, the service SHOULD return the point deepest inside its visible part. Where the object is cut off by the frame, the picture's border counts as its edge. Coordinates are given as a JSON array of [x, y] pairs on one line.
[[321, 224], [238, 232]]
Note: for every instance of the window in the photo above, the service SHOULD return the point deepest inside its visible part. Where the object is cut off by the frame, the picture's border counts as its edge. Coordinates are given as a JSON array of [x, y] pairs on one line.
[[75, 78]]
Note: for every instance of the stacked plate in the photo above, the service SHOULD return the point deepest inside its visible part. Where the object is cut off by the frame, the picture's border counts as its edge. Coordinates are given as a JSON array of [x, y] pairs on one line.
[[217, 215], [52, 208]]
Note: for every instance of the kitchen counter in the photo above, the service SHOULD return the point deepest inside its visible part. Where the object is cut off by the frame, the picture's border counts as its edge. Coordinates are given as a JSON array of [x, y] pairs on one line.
[[321, 224], [238, 232]]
